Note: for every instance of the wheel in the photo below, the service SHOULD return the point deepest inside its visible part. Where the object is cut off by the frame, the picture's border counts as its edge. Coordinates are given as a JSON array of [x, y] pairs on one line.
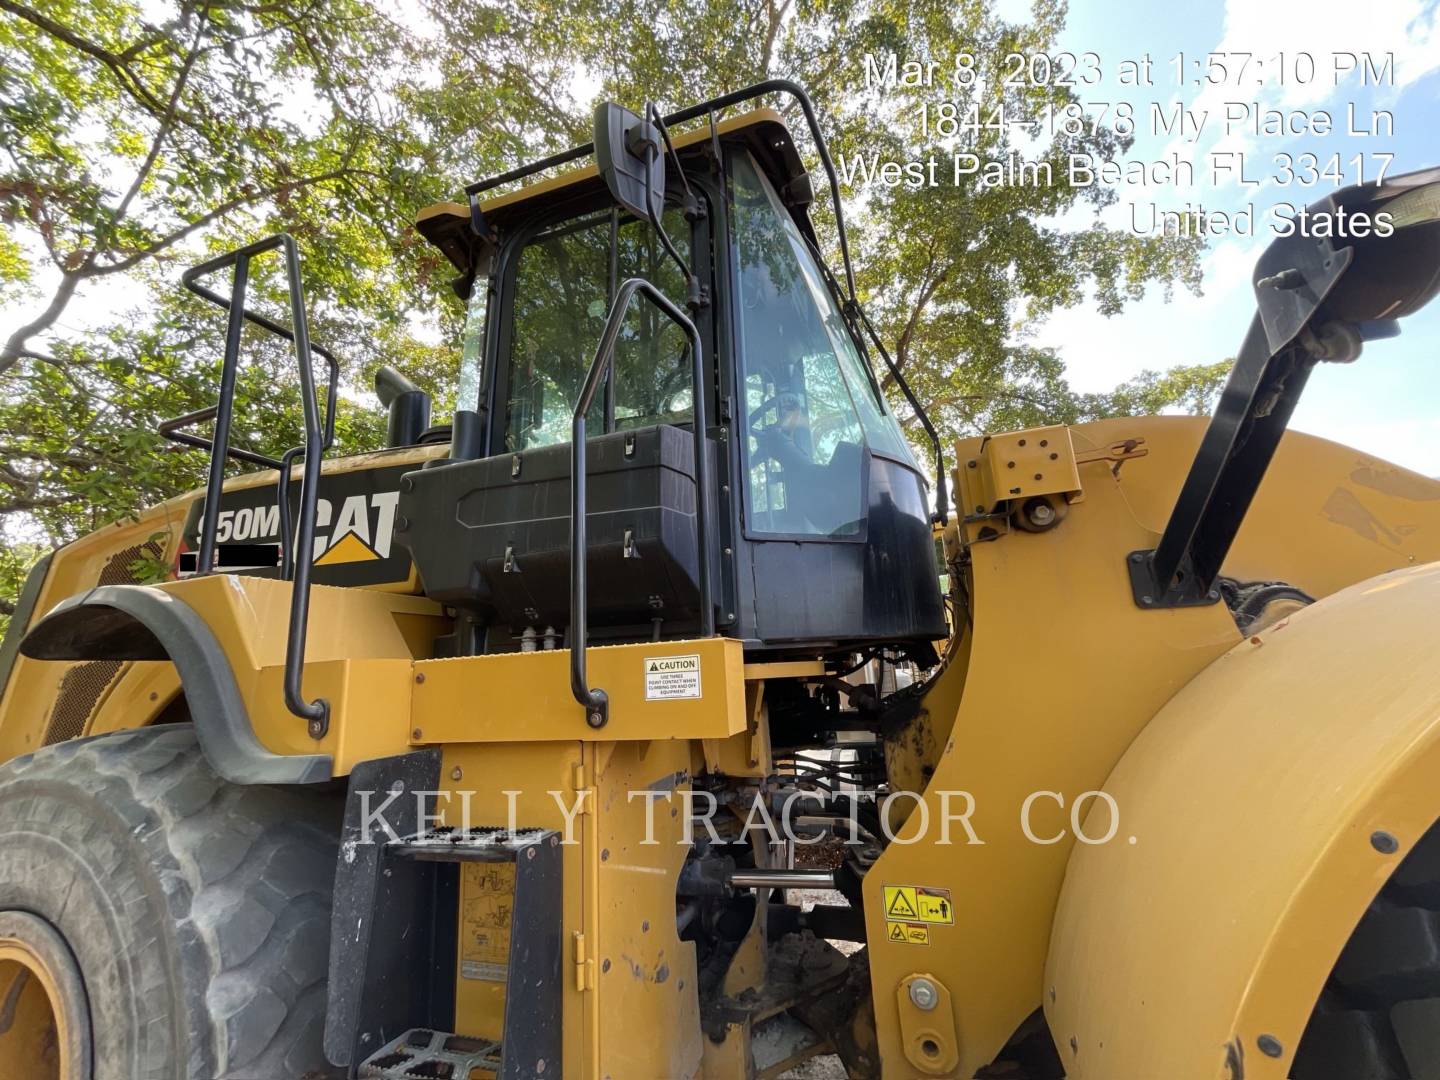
[[157, 923], [1379, 1014]]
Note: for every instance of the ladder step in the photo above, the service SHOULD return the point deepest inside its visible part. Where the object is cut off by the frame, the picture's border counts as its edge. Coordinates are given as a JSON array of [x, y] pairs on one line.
[[481, 844], [426, 1054]]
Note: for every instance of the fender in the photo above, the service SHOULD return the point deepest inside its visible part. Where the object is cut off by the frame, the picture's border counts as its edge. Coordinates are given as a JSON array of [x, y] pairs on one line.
[[1259, 814], [138, 622]]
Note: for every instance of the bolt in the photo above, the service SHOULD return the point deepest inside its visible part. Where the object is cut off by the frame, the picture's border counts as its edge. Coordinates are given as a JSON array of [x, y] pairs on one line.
[[1041, 514], [1009, 464], [971, 464], [1269, 1046], [1074, 1045], [1039, 476], [154, 696], [401, 523], [1054, 456], [923, 994], [529, 853], [1046, 442], [1147, 600], [1136, 557], [728, 552], [604, 967], [1384, 843], [455, 773], [416, 733], [539, 1066], [420, 676], [595, 720], [1022, 442]]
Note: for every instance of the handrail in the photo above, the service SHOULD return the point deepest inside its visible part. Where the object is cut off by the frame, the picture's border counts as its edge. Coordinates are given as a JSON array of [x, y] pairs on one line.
[[171, 431], [315, 713], [595, 701]]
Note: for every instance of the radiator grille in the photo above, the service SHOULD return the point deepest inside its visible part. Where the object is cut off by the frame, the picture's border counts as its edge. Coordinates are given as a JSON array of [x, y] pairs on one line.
[[85, 682]]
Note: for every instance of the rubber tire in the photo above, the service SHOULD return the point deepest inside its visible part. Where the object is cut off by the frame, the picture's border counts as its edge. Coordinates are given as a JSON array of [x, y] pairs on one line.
[[1379, 1014], [198, 911]]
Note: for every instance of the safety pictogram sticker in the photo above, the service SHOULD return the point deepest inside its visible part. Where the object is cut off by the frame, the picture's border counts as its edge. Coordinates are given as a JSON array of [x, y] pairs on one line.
[[910, 933], [915, 903]]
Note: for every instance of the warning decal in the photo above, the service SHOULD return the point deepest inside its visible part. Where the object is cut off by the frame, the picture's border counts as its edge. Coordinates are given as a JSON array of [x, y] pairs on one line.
[[915, 903], [910, 933], [487, 899], [668, 678]]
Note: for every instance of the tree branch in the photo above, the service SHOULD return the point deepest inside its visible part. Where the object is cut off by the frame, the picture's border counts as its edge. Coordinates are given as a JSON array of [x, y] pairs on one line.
[[15, 345]]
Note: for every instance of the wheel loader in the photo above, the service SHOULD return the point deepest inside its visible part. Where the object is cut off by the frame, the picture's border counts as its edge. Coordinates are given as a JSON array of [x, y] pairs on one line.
[[661, 714]]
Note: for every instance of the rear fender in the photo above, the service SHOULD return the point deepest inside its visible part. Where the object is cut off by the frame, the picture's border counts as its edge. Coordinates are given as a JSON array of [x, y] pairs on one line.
[[226, 637], [1259, 814]]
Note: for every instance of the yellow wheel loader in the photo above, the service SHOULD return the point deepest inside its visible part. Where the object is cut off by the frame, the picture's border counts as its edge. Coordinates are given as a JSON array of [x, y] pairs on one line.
[[656, 717]]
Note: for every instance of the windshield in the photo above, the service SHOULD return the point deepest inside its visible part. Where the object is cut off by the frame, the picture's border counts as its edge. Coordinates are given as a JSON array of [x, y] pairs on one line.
[[563, 284], [811, 405]]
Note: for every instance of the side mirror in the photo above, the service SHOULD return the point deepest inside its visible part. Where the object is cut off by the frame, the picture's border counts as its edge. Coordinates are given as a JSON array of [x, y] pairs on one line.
[[628, 155]]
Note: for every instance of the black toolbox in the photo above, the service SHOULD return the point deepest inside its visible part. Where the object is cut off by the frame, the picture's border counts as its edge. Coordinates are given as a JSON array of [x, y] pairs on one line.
[[493, 535]]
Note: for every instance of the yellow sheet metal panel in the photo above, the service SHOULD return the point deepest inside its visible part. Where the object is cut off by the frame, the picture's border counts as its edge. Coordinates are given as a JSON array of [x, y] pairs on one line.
[[1063, 671], [1326, 516], [658, 690], [1252, 798], [646, 976], [1016, 465]]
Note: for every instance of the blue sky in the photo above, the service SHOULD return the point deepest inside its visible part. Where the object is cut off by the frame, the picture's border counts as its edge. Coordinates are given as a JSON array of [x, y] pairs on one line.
[[1388, 402]]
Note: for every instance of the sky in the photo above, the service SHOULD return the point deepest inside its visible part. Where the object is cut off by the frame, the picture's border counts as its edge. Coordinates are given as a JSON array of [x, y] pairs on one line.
[[1388, 401]]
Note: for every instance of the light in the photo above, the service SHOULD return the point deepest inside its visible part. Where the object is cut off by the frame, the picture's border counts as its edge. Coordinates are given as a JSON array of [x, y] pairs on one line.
[[1415, 207]]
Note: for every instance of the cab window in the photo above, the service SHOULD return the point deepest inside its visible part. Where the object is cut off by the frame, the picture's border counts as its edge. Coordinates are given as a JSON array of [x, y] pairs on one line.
[[561, 298], [803, 441]]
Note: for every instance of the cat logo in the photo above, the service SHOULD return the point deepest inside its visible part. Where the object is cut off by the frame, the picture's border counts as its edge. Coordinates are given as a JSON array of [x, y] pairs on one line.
[[363, 531]]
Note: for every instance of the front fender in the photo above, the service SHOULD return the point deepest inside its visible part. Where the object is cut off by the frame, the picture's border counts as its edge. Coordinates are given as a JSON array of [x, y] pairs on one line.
[[1247, 847]]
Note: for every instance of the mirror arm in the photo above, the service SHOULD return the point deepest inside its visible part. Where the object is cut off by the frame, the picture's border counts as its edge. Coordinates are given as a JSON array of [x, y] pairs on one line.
[[691, 281]]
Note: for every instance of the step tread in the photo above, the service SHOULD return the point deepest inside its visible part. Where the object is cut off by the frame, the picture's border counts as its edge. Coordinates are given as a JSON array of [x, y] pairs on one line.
[[427, 1054]]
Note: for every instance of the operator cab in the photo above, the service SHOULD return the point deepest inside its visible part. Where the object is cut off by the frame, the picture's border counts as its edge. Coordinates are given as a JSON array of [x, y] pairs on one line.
[[818, 530]]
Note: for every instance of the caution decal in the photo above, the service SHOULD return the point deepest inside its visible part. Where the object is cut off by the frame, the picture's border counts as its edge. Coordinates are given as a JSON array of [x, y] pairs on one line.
[[910, 911], [670, 677]]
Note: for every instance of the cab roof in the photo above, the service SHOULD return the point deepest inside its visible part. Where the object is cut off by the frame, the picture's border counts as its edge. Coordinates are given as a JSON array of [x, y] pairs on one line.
[[447, 224]]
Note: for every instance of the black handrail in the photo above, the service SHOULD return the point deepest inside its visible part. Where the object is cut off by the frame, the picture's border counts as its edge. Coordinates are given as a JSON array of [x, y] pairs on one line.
[[596, 701], [315, 713], [171, 430]]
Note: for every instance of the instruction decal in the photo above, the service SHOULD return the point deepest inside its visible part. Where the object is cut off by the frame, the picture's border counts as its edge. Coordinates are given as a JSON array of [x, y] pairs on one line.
[[915, 903], [670, 678], [487, 902]]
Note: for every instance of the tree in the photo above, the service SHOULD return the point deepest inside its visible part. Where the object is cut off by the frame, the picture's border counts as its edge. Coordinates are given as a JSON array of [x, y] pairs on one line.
[[135, 139]]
